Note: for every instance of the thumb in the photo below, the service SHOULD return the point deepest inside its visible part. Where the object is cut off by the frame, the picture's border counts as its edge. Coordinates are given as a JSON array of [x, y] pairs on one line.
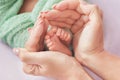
[[30, 57]]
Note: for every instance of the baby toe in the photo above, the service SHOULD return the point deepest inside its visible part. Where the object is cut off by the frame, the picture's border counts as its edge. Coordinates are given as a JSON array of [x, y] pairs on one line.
[[62, 35], [59, 32], [49, 44], [47, 37], [68, 37]]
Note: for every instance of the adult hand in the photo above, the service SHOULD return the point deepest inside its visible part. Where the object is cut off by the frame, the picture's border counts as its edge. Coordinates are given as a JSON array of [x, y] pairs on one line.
[[51, 64], [66, 14], [48, 63], [37, 33], [61, 18], [88, 34]]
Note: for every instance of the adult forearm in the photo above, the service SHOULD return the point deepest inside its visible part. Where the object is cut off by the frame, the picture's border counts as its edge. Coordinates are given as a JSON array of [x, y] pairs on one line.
[[82, 76], [104, 64], [78, 74]]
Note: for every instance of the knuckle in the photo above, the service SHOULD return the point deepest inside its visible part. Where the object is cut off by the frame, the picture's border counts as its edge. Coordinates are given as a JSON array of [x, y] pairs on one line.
[[27, 71], [30, 69]]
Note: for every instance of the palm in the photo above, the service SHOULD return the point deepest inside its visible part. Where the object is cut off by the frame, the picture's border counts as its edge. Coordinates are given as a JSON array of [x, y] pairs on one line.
[[48, 63], [90, 39]]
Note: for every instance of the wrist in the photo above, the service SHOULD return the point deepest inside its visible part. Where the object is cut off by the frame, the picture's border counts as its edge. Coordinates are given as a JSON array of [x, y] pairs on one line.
[[77, 72], [79, 75], [102, 63], [87, 58]]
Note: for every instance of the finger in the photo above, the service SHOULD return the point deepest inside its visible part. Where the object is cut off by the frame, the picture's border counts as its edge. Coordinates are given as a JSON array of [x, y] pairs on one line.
[[88, 8], [95, 16], [37, 35], [54, 14], [66, 20], [70, 14], [93, 29], [25, 56], [94, 13], [60, 24], [35, 70], [67, 4], [79, 24], [34, 37], [36, 58]]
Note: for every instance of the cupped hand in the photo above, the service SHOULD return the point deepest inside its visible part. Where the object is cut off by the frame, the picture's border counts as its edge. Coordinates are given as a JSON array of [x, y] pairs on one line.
[[66, 14], [50, 64], [88, 33], [89, 41], [61, 18]]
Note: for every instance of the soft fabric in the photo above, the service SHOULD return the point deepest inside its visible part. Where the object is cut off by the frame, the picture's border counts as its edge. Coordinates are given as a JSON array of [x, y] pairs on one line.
[[13, 26]]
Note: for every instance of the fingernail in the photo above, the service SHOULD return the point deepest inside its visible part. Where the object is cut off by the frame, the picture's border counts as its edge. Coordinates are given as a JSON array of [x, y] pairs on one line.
[[16, 51], [29, 29]]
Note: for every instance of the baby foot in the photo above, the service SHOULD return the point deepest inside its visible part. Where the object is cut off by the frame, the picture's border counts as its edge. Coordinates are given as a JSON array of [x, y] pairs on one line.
[[64, 35], [54, 44], [37, 34]]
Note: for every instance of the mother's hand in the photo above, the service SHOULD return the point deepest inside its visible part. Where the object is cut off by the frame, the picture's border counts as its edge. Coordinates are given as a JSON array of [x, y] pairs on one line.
[[37, 33], [51, 64], [88, 34], [89, 41], [67, 14], [61, 18]]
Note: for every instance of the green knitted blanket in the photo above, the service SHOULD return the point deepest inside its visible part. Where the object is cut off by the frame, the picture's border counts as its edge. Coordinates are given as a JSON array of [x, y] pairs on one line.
[[13, 26]]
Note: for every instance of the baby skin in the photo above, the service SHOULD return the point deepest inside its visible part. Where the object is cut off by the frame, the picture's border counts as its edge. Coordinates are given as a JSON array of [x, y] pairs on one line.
[[58, 39]]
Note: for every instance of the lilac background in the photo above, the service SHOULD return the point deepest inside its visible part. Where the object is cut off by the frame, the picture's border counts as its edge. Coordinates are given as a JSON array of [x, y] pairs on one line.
[[11, 67]]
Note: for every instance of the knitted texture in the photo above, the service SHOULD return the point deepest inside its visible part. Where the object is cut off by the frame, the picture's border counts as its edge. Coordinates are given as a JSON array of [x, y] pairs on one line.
[[13, 26]]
